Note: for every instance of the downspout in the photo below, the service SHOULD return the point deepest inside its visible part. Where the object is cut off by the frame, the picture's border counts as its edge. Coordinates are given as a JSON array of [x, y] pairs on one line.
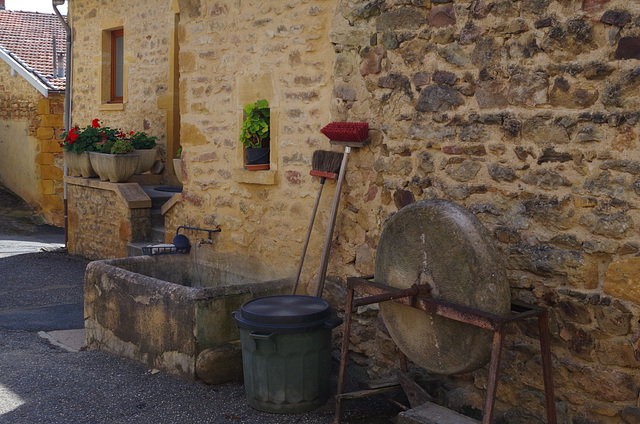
[[67, 104]]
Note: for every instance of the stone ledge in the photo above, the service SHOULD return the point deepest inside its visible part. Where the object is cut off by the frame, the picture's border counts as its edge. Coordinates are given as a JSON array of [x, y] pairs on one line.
[[175, 199], [131, 193], [430, 413], [111, 106], [255, 177]]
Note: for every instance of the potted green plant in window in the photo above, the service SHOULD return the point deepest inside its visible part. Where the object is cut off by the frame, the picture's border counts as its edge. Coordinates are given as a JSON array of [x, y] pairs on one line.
[[255, 135], [146, 147]]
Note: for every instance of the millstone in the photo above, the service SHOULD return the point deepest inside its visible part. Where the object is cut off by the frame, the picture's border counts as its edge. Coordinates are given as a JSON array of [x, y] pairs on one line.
[[440, 243]]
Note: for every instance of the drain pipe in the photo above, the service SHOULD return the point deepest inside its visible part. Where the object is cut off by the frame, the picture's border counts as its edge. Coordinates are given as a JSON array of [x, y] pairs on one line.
[[67, 104]]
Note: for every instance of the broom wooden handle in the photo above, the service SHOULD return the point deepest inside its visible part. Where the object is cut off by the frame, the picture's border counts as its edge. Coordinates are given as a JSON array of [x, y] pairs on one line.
[[324, 262], [306, 242]]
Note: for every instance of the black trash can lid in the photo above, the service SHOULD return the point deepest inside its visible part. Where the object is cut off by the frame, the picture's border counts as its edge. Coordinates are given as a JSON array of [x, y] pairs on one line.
[[286, 313]]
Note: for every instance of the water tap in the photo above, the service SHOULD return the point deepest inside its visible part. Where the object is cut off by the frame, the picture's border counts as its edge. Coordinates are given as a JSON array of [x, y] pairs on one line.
[[202, 241]]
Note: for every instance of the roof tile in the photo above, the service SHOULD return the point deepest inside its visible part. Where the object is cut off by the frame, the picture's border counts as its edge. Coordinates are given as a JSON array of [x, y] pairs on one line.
[[28, 37]]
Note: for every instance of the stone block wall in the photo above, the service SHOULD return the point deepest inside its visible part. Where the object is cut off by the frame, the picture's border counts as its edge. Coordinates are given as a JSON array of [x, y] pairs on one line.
[[526, 112], [50, 159], [103, 217], [32, 163]]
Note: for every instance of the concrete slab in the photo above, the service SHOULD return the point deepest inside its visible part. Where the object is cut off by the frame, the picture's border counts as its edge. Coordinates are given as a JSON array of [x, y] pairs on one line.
[[430, 413], [69, 340], [20, 246]]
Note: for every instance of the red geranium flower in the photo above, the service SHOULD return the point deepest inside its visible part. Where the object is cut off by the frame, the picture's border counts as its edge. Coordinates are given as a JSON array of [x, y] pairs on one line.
[[72, 136], [95, 123]]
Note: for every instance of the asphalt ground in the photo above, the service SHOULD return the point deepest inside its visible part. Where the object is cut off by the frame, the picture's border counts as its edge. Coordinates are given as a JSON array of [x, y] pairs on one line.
[[43, 382]]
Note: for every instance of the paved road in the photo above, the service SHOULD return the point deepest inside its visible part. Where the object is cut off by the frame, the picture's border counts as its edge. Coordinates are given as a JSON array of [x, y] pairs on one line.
[[40, 382]]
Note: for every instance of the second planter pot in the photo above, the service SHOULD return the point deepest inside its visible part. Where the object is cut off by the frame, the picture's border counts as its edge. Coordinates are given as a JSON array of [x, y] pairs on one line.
[[147, 159], [114, 168], [79, 164]]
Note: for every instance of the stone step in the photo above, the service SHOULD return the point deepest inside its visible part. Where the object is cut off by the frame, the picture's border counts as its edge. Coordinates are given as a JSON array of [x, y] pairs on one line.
[[430, 413], [158, 198]]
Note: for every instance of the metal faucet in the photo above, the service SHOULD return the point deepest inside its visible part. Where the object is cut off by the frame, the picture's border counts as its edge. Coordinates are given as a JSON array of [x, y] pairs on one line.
[[202, 241]]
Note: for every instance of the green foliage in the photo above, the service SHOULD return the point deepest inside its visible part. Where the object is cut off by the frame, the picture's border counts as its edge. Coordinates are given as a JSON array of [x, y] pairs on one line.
[[121, 147], [255, 127], [114, 147], [142, 141], [179, 153]]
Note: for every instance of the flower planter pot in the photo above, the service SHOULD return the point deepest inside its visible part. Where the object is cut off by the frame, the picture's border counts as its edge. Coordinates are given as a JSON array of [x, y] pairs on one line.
[[257, 156], [79, 164], [114, 168], [177, 167], [147, 159]]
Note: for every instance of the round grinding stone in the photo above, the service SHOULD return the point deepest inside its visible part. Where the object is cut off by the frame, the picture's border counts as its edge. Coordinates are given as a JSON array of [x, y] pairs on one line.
[[440, 243]]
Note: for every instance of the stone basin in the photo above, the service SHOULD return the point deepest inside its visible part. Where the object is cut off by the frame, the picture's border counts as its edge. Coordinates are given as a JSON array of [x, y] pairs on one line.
[[164, 310]]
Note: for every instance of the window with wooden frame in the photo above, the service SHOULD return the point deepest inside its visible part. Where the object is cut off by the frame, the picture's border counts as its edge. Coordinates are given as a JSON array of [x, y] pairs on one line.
[[117, 66], [113, 74]]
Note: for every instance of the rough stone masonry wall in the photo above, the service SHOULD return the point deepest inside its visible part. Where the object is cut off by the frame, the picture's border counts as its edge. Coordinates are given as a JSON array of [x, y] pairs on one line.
[[147, 27], [527, 112], [101, 223], [32, 163]]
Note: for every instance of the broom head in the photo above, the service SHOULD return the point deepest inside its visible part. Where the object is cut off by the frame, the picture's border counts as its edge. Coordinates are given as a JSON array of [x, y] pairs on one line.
[[325, 163], [353, 132]]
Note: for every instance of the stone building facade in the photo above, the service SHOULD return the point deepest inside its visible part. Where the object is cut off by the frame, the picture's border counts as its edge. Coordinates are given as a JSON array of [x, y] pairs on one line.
[[31, 112], [31, 163], [149, 102], [526, 112]]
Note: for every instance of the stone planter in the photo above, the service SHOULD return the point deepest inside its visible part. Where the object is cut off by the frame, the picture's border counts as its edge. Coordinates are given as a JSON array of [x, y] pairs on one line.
[[177, 167], [115, 168], [79, 164], [147, 159]]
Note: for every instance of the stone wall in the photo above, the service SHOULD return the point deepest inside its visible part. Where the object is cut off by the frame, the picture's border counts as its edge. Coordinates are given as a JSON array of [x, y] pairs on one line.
[[50, 160], [233, 53], [526, 112], [103, 217], [31, 164]]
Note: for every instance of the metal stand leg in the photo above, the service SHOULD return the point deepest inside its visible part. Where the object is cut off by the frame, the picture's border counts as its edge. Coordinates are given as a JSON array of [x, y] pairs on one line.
[[492, 383], [343, 354]]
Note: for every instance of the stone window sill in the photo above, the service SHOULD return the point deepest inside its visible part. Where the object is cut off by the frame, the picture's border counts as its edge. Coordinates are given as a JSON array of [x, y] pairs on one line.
[[111, 106]]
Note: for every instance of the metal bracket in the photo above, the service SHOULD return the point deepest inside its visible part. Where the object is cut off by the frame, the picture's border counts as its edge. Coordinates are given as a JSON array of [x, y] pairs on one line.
[[217, 230]]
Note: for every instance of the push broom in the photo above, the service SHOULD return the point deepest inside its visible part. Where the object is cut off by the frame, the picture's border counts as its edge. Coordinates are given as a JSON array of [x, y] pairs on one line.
[[348, 134], [324, 164]]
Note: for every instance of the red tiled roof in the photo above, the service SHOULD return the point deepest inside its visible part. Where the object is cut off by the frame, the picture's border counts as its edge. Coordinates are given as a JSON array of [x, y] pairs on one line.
[[28, 38]]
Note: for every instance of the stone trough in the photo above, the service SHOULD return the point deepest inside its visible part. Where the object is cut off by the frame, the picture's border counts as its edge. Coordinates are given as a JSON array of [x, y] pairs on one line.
[[166, 310]]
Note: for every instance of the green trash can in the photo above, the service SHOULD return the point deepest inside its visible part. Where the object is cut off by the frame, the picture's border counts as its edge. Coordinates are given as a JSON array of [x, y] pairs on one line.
[[286, 352]]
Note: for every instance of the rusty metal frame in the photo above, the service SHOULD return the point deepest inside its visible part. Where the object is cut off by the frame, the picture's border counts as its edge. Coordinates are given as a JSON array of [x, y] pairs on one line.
[[418, 296]]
